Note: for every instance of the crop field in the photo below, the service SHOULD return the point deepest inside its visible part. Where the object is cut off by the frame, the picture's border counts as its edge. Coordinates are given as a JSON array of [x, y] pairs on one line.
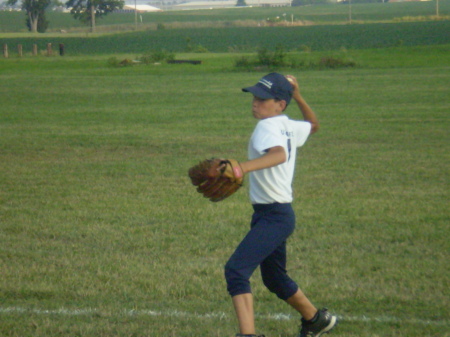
[[103, 235], [249, 39]]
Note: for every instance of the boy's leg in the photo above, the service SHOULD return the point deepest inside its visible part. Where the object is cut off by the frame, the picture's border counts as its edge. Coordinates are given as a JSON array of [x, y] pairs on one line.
[[273, 272], [302, 304], [265, 236], [243, 305]]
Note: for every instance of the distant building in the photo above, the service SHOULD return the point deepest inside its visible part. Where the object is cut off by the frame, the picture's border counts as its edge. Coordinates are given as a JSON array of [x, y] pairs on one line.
[[230, 4], [405, 0], [140, 8]]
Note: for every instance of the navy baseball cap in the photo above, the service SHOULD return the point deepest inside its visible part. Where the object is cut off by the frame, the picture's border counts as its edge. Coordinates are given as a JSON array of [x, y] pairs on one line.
[[273, 85]]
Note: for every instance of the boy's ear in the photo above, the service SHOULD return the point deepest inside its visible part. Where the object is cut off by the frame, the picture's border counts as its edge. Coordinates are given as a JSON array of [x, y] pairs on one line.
[[283, 104]]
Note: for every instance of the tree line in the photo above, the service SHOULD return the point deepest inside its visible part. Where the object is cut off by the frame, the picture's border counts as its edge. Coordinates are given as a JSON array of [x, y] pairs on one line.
[[86, 11]]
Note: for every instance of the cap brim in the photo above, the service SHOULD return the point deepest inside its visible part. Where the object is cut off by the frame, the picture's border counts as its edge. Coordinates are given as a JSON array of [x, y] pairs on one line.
[[258, 92]]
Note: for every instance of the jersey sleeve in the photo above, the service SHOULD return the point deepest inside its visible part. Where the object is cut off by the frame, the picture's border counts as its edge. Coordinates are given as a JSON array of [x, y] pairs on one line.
[[267, 137], [303, 129]]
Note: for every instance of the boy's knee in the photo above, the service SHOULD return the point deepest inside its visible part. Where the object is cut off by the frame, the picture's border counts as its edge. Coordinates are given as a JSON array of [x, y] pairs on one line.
[[232, 275], [228, 272], [237, 283], [271, 284], [283, 287]]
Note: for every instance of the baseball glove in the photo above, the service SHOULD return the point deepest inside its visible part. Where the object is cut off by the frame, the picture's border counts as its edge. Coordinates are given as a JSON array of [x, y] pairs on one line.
[[217, 179]]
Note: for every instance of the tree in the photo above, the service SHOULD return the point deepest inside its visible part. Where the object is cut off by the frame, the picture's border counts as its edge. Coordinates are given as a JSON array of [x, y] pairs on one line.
[[88, 10], [35, 11], [42, 23], [241, 3]]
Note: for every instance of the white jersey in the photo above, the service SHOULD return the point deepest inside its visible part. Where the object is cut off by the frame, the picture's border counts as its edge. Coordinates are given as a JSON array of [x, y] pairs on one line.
[[274, 184]]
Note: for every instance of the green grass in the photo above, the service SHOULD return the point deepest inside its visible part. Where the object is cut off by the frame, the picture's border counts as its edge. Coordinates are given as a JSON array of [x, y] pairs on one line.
[[394, 57], [103, 235]]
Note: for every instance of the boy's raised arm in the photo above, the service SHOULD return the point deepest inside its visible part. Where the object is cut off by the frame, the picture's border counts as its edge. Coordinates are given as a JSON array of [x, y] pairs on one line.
[[307, 112]]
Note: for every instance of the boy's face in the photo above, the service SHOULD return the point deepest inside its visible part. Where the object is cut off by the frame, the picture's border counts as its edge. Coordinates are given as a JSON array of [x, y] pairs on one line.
[[265, 108]]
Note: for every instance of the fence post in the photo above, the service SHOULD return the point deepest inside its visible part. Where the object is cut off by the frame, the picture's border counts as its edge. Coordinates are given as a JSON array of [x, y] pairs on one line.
[[19, 50], [5, 50], [34, 49], [61, 49], [49, 49]]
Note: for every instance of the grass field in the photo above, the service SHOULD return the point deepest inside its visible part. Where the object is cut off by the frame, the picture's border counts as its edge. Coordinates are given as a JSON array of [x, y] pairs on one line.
[[102, 234]]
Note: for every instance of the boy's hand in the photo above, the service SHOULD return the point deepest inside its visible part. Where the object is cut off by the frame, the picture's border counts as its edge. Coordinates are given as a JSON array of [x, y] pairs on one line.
[[292, 79], [294, 83]]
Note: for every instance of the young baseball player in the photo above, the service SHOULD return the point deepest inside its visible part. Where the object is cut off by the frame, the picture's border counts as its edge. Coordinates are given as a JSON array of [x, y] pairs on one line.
[[272, 153]]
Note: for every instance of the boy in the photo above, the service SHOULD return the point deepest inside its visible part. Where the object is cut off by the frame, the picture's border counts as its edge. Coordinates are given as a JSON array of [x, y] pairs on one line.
[[272, 153]]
